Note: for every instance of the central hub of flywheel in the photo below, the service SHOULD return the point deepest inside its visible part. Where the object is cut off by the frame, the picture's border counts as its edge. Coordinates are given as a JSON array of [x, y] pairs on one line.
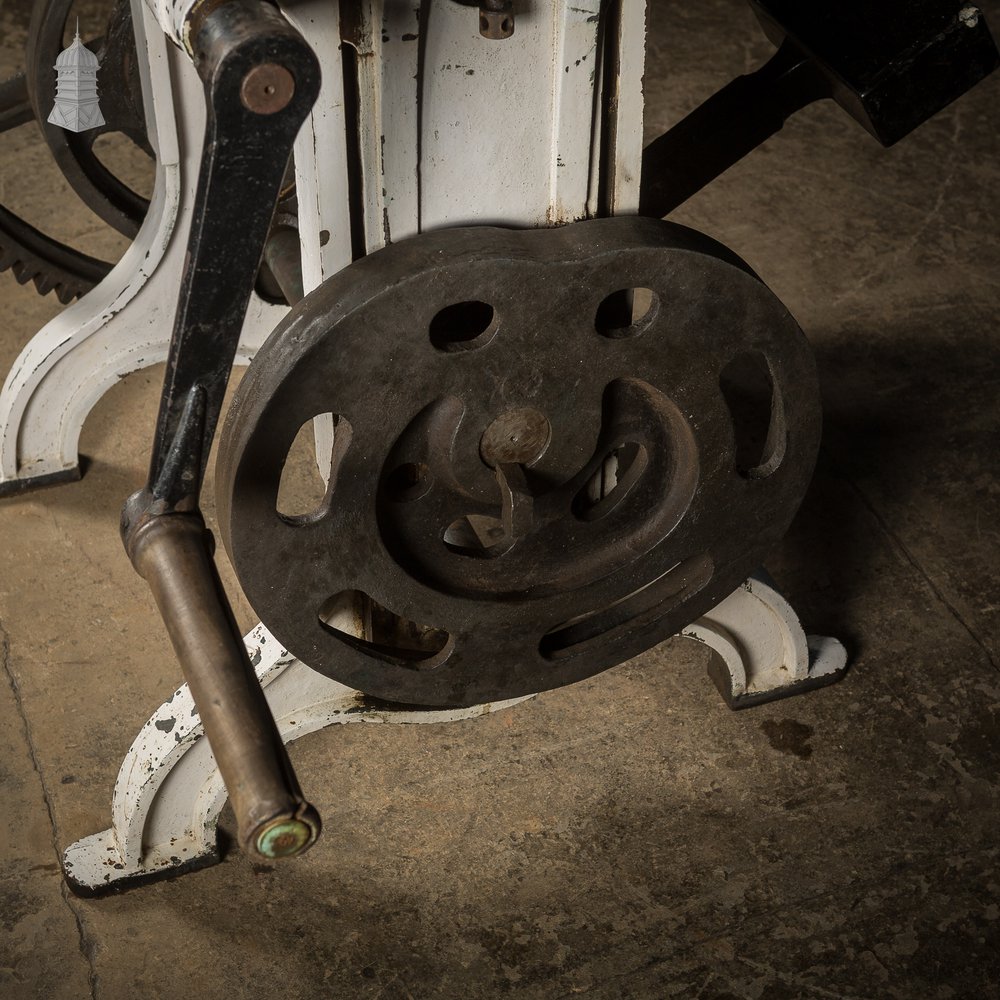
[[552, 449]]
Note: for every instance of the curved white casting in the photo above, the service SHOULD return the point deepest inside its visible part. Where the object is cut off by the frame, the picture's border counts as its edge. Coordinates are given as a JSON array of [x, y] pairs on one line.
[[124, 324]]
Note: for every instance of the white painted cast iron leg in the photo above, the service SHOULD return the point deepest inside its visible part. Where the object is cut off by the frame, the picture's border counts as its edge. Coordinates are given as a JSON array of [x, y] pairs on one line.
[[169, 794], [123, 324], [760, 650]]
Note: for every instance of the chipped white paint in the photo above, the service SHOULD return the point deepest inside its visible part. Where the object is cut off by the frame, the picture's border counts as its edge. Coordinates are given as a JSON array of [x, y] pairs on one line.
[[454, 129], [762, 649], [387, 49], [627, 112], [521, 118], [169, 792], [321, 152], [172, 17]]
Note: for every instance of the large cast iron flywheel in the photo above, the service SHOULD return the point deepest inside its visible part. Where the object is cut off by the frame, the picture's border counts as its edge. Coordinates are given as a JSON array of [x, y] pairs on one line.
[[552, 450]]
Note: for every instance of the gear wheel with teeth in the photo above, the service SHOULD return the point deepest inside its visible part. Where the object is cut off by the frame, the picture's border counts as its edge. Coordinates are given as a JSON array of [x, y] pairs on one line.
[[51, 265]]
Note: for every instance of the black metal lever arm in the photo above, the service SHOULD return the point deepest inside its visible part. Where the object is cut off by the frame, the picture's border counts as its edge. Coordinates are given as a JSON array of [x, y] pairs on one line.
[[261, 79]]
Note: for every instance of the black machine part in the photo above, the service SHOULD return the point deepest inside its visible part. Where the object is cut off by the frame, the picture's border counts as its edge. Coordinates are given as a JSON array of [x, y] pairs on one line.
[[529, 485], [552, 450], [890, 66], [261, 79]]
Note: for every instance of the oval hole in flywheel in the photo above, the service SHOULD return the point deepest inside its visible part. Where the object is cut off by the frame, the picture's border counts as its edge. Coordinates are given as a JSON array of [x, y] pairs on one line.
[[757, 412], [303, 490], [649, 603], [463, 326], [627, 312], [360, 621], [619, 471]]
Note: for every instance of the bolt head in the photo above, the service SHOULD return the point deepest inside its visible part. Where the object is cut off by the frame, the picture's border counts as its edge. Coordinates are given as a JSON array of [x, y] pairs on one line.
[[267, 89], [496, 24]]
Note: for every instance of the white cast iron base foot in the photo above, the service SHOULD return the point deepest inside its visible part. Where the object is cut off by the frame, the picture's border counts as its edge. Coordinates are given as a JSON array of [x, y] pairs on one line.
[[169, 793], [759, 650]]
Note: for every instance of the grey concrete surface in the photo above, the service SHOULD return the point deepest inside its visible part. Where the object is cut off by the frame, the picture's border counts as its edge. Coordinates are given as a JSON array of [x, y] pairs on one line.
[[628, 837]]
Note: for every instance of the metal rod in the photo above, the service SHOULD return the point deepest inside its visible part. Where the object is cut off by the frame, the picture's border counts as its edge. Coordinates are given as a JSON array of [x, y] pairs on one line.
[[173, 554], [283, 257]]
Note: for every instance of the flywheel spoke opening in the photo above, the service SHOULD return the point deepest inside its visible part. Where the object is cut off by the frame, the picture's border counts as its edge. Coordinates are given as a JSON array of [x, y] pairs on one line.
[[357, 619]]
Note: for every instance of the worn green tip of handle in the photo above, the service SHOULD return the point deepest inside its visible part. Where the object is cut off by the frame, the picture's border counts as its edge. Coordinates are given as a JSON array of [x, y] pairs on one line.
[[285, 838]]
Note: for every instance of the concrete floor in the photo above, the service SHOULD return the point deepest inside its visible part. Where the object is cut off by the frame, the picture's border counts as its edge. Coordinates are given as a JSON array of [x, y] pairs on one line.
[[628, 837]]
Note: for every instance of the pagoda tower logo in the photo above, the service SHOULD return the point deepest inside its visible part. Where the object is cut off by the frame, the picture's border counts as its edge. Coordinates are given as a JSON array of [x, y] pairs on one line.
[[76, 106]]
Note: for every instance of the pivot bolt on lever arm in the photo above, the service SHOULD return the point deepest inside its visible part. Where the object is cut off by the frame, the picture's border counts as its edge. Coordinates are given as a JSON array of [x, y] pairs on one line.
[[261, 79]]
